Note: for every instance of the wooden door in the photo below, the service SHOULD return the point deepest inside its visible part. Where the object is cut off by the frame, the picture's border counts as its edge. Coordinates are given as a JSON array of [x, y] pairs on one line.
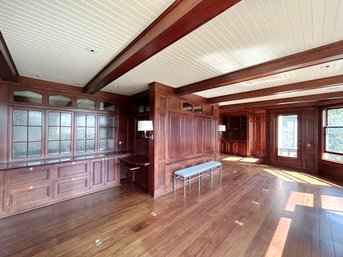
[[288, 138]]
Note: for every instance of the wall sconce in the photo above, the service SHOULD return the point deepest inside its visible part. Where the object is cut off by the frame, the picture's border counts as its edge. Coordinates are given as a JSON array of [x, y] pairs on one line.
[[146, 125], [221, 128]]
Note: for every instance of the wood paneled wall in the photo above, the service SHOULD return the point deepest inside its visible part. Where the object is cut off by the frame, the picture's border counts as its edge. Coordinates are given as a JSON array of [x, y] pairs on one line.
[[182, 138]]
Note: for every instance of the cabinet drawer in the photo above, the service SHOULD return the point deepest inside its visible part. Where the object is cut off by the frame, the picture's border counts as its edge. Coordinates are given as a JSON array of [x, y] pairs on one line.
[[19, 177], [73, 169], [27, 197], [71, 187]]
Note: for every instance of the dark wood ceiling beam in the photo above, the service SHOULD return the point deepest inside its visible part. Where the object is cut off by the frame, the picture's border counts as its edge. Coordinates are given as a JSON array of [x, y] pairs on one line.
[[276, 102], [8, 71], [294, 87], [181, 18], [323, 54]]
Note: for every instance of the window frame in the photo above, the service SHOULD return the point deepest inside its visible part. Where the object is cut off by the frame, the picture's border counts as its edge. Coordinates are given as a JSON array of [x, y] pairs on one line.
[[325, 126]]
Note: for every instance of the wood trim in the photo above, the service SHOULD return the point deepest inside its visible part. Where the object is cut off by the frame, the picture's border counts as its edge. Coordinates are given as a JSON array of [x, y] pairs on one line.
[[178, 20], [326, 53], [8, 70], [303, 99], [294, 87]]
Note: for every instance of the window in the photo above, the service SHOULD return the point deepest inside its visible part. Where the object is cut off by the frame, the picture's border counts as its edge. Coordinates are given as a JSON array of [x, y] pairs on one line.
[[288, 135], [106, 133], [85, 133], [106, 106], [59, 133], [27, 97], [26, 133], [333, 134]]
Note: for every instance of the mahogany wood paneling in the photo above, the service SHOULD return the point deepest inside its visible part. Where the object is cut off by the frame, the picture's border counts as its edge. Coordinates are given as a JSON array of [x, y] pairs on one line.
[[178, 20], [1, 192], [25, 176], [185, 136], [300, 60], [259, 135], [8, 70], [294, 87], [3, 120]]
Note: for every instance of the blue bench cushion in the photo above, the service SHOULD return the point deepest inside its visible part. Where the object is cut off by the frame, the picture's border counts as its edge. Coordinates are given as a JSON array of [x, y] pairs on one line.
[[190, 171]]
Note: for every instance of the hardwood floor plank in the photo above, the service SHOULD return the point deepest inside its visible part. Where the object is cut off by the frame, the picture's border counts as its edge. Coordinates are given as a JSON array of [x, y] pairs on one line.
[[128, 222]]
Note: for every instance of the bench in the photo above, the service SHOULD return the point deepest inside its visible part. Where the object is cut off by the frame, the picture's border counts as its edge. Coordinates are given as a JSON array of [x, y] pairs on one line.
[[203, 169]]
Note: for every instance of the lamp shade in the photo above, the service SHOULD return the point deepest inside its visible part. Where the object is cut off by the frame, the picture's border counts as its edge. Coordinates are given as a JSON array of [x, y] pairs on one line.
[[221, 128], [145, 125]]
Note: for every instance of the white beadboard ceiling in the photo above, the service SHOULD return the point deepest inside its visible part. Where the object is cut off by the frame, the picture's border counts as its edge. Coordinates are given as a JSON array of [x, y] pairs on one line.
[[49, 38]]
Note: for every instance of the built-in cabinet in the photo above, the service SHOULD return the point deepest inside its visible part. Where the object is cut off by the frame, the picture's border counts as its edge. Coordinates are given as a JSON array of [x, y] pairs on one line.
[[234, 140], [31, 187]]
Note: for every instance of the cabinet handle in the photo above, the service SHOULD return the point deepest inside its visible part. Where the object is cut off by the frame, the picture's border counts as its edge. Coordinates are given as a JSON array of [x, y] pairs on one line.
[[73, 163], [30, 187], [30, 169]]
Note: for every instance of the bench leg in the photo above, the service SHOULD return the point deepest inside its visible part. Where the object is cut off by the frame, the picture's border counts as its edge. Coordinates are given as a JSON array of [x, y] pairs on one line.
[[199, 181]]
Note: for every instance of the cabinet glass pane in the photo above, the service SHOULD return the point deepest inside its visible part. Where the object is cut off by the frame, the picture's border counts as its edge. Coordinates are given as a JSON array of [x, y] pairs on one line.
[[59, 100], [90, 120], [35, 118], [103, 121], [110, 144], [107, 106], [90, 133], [85, 104], [65, 147], [102, 133], [19, 117], [81, 120], [102, 144], [54, 133], [35, 149], [90, 145], [80, 146], [54, 118], [110, 121], [81, 133], [19, 150], [65, 133], [53, 148], [19, 134], [65, 119], [110, 133], [35, 134], [27, 97]]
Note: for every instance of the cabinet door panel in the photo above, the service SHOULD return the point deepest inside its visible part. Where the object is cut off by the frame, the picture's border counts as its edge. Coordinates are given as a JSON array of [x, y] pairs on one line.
[[70, 187], [20, 177], [73, 169], [27, 197], [98, 179], [112, 171]]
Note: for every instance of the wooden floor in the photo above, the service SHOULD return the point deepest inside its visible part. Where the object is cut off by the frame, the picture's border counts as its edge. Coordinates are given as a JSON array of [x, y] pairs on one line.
[[254, 210]]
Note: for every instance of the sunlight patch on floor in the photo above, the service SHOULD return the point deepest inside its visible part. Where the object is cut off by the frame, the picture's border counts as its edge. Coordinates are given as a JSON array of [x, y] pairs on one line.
[[299, 198], [277, 244], [299, 177], [241, 159]]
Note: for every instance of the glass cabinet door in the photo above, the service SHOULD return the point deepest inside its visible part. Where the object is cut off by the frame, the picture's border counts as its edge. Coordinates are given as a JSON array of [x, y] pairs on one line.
[[59, 133], [85, 133]]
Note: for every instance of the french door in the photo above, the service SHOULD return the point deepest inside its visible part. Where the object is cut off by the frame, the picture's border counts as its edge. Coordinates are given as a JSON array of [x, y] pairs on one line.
[[288, 140]]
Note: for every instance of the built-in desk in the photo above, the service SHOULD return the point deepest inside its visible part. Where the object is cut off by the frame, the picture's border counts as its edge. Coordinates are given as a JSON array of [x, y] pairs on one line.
[[136, 167]]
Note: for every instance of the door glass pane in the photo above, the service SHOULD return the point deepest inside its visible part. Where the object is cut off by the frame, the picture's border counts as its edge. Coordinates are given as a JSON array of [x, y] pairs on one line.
[[59, 100], [65, 147], [288, 135], [54, 118], [27, 97], [65, 133], [85, 104], [81, 133], [54, 133], [53, 147], [81, 146], [81, 120]]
